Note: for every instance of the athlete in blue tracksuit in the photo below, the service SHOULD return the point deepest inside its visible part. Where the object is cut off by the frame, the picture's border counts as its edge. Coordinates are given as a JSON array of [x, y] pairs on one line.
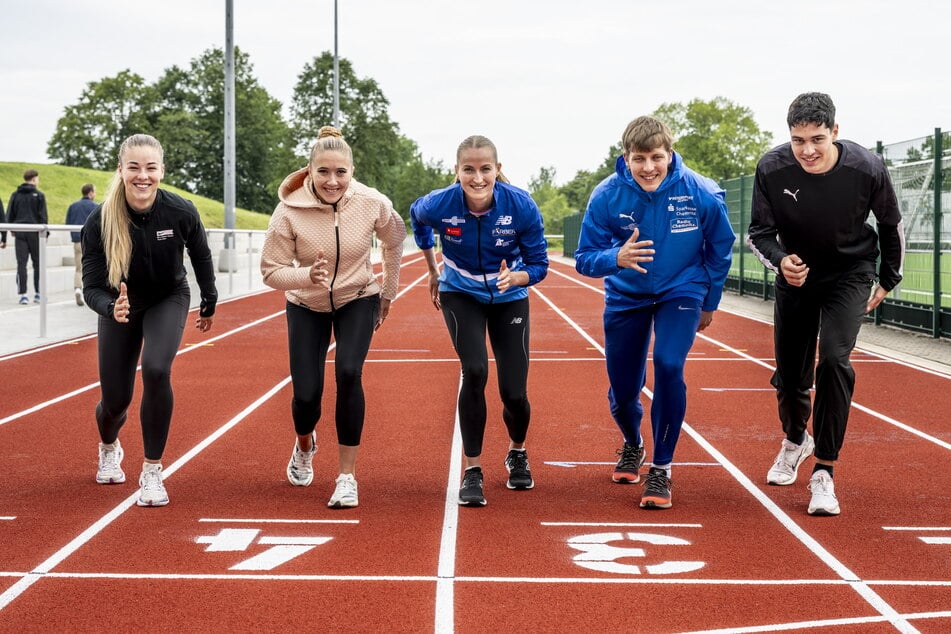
[[659, 234], [493, 247]]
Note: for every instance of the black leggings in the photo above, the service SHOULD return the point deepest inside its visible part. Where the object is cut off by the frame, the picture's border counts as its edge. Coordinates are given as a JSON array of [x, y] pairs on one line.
[[308, 338], [507, 324], [155, 332]]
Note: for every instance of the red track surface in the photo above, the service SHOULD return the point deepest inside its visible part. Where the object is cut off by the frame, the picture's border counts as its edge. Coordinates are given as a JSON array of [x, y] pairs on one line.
[[574, 554]]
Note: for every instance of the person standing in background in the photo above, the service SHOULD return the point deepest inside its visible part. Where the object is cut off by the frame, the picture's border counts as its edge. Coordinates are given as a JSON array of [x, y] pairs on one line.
[[77, 214], [27, 206]]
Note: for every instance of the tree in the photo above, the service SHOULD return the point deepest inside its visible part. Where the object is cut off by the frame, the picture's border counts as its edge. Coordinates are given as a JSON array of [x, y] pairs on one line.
[[264, 143], [551, 202], [716, 138], [413, 177], [364, 119], [578, 190], [90, 132]]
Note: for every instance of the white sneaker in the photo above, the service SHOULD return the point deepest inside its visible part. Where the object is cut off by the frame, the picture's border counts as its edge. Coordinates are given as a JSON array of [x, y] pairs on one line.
[[823, 500], [784, 470], [345, 495], [300, 469], [152, 491], [79, 296], [110, 464]]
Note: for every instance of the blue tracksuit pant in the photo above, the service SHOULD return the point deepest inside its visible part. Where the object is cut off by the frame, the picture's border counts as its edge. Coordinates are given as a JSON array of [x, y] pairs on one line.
[[627, 336]]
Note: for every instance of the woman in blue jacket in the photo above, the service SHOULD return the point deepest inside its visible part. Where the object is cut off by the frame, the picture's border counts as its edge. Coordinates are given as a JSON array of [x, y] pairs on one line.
[[660, 235], [493, 247]]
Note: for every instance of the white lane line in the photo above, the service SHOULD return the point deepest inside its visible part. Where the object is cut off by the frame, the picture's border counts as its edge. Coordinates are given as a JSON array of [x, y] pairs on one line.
[[873, 599], [91, 386], [59, 556], [444, 616], [916, 528], [804, 625], [861, 408], [624, 524], [233, 520]]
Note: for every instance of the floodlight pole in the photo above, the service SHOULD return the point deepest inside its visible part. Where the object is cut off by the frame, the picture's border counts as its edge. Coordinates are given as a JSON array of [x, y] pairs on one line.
[[336, 74], [225, 262]]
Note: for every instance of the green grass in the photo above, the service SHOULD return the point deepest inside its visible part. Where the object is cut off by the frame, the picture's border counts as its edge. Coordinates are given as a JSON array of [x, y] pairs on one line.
[[62, 186]]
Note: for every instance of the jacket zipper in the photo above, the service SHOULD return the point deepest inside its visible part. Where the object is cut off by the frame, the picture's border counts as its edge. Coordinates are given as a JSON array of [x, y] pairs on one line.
[[336, 257]]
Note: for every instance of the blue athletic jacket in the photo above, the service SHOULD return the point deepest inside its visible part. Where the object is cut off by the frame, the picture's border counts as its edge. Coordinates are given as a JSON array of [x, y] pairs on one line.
[[473, 247], [687, 219]]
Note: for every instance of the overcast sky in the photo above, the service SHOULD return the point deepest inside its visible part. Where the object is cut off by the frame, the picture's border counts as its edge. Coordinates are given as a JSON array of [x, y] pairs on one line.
[[552, 82]]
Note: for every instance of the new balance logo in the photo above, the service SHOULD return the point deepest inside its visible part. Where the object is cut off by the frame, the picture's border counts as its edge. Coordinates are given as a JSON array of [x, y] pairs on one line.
[[792, 194], [515, 321]]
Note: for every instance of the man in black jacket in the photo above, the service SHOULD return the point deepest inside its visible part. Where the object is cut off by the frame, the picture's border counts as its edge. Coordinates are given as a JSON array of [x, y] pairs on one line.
[[27, 206], [812, 198]]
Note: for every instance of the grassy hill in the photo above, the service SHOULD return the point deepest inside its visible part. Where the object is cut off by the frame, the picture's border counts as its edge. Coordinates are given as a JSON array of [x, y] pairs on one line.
[[62, 186]]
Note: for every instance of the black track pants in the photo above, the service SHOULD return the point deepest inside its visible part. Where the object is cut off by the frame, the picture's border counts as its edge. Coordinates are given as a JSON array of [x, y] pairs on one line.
[[831, 311]]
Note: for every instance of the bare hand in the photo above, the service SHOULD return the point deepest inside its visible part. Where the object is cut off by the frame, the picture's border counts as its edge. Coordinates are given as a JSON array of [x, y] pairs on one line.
[[318, 271], [203, 324], [632, 252], [434, 289], [877, 296], [706, 318], [794, 270], [122, 308], [505, 278], [384, 311]]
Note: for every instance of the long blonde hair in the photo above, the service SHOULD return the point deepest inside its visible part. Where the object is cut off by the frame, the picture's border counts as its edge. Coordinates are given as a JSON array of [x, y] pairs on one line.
[[116, 238]]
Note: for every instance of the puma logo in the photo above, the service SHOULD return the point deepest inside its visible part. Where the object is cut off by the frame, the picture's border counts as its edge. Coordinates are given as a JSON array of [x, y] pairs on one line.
[[792, 194]]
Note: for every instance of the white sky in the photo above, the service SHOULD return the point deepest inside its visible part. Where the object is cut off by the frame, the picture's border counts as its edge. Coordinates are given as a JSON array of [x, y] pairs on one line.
[[551, 82]]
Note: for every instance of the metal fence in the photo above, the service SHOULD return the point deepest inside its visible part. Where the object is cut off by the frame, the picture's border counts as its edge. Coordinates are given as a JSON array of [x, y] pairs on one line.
[[921, 174]]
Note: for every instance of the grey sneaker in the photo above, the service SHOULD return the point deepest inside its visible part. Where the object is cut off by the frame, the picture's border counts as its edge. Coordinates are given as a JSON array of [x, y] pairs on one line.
[[345, 494], [300, 469], [784, 470], [152, 490], [823, 500], [630, 460], [110, 464], [79, 296]]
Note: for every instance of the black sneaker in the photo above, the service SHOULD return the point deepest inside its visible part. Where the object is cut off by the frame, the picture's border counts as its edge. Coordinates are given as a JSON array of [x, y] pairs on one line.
[[520, 474], [656, 490], [471, 492], [629, 464]]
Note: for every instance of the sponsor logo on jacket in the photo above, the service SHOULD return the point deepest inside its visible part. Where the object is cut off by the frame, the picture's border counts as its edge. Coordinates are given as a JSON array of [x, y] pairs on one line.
[[455, 220], [164, 234], [454, 231]]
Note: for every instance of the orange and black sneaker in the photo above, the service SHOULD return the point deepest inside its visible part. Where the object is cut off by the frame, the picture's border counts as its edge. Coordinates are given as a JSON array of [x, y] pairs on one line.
[[629, 464], [656, 490]]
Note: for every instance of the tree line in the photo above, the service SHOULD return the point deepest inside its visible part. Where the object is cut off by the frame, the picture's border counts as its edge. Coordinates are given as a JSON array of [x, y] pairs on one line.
[[184, 109]]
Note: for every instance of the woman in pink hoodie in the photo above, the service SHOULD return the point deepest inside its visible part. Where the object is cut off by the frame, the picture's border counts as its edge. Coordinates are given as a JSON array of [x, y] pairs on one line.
[[318, 250]]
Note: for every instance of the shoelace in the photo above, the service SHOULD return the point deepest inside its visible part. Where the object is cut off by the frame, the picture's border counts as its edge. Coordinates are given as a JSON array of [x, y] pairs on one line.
[[629, 457], [518, 462], [109, 459], [472, 479], [152, 482], [347, 489], [822, 486], [657, 483]]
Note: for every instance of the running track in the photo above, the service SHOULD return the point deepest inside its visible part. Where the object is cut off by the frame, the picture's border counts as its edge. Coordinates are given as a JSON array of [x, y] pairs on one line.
[[240, 549]]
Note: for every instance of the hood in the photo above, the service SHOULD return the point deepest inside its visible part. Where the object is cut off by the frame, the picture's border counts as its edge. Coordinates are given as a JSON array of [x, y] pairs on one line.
[[297, 190], [674, 173], [26, 188]]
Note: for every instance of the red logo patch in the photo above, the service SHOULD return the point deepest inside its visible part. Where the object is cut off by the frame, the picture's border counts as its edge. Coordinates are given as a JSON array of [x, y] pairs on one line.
[[454, 231]]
